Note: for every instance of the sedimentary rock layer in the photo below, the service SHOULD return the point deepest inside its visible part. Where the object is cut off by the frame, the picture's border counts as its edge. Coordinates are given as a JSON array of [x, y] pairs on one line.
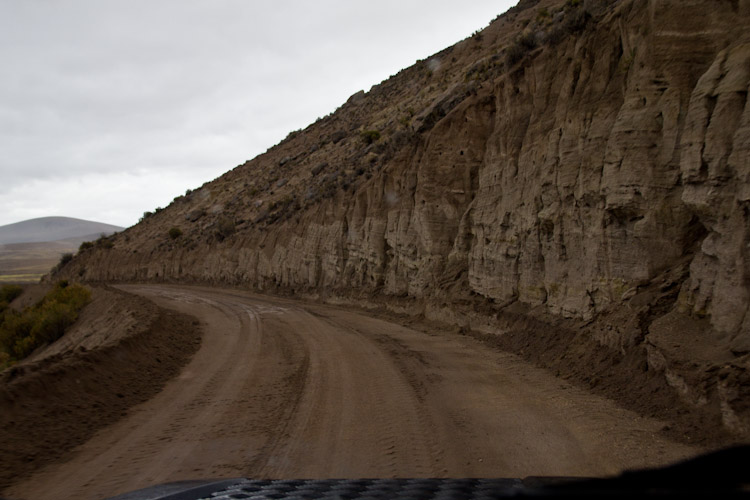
[[566, 158]]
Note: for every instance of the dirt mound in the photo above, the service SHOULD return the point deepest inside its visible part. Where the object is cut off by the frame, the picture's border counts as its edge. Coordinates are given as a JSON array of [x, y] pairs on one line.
[[59, 399], [107, 320], [627, 379]]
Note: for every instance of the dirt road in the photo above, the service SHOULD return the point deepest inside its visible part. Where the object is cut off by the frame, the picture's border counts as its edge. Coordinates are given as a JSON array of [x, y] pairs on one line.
[[284, 389]]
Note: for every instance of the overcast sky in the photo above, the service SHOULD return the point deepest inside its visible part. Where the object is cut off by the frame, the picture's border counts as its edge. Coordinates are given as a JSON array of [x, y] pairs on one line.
[[109, 108]]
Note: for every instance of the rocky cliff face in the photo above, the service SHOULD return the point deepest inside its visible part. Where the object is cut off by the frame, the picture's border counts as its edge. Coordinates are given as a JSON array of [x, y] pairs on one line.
[[576, 159]]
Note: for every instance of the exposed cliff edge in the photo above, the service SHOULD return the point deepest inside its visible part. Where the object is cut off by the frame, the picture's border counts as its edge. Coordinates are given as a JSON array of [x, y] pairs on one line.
[[579, 164]]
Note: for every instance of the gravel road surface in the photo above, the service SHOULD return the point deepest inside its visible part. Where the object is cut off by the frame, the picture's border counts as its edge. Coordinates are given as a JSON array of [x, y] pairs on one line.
[[286, 389]]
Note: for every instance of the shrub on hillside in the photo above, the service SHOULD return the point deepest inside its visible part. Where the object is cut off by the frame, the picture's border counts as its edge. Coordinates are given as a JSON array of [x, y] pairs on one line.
[[105, 242], [522, 5], [175, 232], [64, 259], [520, 46], [43, 323], [225, 227], [575, 20], [86, 245], [8, 293], [369, 136]]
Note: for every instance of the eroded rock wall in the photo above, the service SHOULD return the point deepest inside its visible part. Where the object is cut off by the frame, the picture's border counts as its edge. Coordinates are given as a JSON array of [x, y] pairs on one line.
[[584, 160], [567, 180]]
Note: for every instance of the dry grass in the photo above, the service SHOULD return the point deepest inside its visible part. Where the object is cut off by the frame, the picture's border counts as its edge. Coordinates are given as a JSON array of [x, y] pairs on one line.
[[28, 262], [22, 333]]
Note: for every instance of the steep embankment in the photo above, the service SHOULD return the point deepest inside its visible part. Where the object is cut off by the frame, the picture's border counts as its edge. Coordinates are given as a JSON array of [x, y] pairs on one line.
[[575, 177], [120, 352]]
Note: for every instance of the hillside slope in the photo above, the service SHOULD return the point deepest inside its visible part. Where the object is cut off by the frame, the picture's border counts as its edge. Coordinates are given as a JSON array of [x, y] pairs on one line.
[[574, 178]]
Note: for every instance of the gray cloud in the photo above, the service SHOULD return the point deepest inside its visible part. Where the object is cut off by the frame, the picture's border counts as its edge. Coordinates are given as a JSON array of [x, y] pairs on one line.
[[143, 99]]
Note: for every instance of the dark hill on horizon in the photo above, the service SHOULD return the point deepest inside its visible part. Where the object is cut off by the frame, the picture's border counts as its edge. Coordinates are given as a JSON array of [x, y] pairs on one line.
[[30, 248], [44, 229]]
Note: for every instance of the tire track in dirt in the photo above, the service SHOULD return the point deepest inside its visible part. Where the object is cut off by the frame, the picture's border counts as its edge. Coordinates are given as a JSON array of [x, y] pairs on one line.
[[282, 389], [356, 406]]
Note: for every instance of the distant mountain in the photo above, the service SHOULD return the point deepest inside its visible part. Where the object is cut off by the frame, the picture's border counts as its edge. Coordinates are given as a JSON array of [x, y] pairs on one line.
[[54, 229]]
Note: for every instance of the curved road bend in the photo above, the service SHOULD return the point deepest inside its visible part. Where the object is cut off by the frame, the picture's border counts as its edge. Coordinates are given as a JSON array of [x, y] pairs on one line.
[[284, 389]]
